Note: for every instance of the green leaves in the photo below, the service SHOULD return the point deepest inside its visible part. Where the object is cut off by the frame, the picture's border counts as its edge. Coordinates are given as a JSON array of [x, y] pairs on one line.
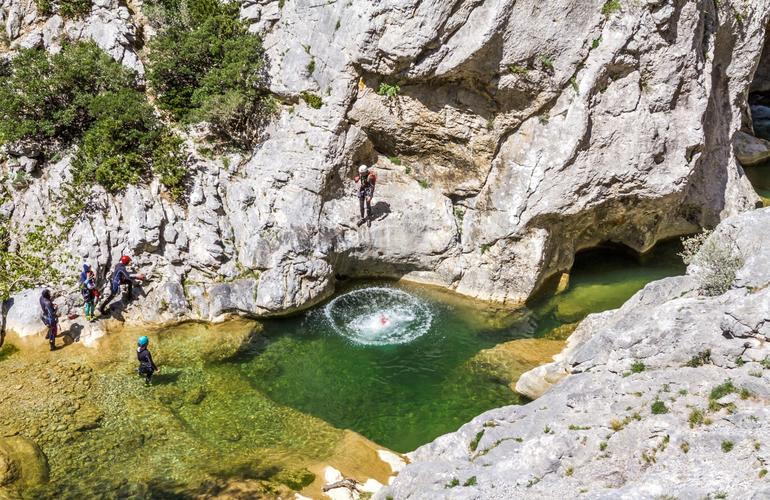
[[83, 96], [209, 68]]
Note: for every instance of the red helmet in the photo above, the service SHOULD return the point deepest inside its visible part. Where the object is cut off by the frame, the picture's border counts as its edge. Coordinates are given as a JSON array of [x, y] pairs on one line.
[[125, 260]]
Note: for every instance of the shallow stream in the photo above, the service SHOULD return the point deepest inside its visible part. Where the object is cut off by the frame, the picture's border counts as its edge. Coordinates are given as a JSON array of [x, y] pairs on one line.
[[390, 361]]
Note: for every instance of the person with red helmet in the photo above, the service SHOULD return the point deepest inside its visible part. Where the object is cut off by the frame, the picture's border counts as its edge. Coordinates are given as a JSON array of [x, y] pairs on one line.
[[120, 276]]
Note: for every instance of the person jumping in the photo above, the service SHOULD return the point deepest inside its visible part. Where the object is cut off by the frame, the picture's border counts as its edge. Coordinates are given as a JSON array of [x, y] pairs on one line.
[[367, 180]]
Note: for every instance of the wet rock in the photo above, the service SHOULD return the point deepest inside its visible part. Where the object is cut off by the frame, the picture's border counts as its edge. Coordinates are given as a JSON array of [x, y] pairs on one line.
[[9, 469], [30, 465], [195, 396]]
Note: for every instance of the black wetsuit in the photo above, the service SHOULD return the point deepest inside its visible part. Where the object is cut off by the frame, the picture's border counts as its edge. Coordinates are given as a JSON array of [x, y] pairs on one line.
[[119, 277], [146, 365], [49, 319]]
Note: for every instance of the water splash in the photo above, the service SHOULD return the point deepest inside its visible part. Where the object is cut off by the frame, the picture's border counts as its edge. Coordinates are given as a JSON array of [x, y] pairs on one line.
[[379, 316]]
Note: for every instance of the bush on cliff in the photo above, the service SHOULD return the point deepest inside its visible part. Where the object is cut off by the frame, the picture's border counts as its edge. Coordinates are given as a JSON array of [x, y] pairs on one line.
[[206, 67], [82, 96], [716, 260]]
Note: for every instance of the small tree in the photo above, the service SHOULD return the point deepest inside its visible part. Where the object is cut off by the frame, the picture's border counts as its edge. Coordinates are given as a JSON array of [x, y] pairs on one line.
[[715, 259]]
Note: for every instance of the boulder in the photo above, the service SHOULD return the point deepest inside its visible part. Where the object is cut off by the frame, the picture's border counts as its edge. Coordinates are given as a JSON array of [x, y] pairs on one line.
[[23, 313], [750, 150]]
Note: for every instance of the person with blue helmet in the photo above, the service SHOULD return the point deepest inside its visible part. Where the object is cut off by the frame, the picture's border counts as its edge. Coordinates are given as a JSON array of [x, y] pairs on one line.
[[146, 365]]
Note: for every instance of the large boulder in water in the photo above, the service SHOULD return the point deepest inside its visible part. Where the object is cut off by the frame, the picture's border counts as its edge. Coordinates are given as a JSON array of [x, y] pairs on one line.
[[22, 463], [750, 150]]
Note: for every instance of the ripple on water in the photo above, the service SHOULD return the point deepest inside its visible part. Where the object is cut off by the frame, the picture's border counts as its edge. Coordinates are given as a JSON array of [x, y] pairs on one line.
[[379, 316]]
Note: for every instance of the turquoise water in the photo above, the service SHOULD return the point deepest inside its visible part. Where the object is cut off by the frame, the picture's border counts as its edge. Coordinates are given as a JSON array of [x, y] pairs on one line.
[[403, 395]]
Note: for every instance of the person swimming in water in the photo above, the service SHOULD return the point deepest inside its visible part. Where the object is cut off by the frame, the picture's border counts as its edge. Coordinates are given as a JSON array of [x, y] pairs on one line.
[[384, 320]]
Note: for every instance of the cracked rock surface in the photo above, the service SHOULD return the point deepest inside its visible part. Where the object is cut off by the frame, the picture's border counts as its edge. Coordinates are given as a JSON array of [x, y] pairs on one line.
[[648, 400], [522, 132]]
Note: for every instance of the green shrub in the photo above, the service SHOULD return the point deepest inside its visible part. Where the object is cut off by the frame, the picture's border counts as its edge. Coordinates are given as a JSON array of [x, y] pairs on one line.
[[310, 66], [610, 6], [517, 69], [471, 481], [547, 62], [700, 359], [659, 408], [207, 67], [82, 96], [312, 100], [596, 42], [716, 259], [727, 446], [388, 90], [637, 367], [475, 442], [722, 390], [44, 99], [67, 8], [168, 163], [74, 8]]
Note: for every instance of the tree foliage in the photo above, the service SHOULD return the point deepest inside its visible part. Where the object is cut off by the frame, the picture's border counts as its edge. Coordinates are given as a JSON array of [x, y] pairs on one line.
[[716, 261], [82, 96], [206, 67]]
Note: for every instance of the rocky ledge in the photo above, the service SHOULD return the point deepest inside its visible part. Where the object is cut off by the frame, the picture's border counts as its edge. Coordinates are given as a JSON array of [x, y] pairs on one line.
[[666, 397]]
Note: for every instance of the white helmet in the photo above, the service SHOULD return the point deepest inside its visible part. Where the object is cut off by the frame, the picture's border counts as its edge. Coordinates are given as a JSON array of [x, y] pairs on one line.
[[363, 169]]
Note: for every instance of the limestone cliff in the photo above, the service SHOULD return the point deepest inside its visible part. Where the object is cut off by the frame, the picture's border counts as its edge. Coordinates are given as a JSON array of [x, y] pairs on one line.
[[669, 408], [521, 132]]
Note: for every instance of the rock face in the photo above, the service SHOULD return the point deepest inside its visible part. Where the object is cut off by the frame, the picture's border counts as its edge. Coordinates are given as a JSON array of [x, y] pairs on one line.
[[519, 134], [664, 396]]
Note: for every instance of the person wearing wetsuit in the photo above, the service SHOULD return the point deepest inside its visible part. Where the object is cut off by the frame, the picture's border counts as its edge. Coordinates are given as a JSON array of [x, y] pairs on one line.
[[49, 317], [367, 181], [88, 291], [146, 365], [120, 277]]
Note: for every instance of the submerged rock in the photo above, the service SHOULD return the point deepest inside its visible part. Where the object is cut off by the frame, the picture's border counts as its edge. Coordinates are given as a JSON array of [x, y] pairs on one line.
[[506, 362]]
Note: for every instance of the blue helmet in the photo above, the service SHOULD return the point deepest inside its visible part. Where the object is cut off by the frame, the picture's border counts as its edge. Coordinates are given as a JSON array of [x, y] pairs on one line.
[[143, 341]]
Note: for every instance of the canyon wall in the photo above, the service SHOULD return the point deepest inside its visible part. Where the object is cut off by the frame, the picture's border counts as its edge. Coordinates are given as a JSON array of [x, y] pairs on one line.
[[520, 133]]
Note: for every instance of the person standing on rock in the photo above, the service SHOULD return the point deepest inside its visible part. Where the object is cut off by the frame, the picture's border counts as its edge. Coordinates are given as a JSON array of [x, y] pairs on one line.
[[146, 365], [120, 277], [49, 317], [367, 180], [88, 291]]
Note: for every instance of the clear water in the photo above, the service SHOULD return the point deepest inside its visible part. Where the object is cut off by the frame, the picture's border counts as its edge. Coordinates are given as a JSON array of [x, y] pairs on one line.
[[760, 179], [236, 402], [393, 365]]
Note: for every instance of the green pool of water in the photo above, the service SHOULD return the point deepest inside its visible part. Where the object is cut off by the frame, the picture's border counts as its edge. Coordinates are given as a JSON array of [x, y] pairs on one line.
[[760, 179], [404, 395], [236, 401]]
